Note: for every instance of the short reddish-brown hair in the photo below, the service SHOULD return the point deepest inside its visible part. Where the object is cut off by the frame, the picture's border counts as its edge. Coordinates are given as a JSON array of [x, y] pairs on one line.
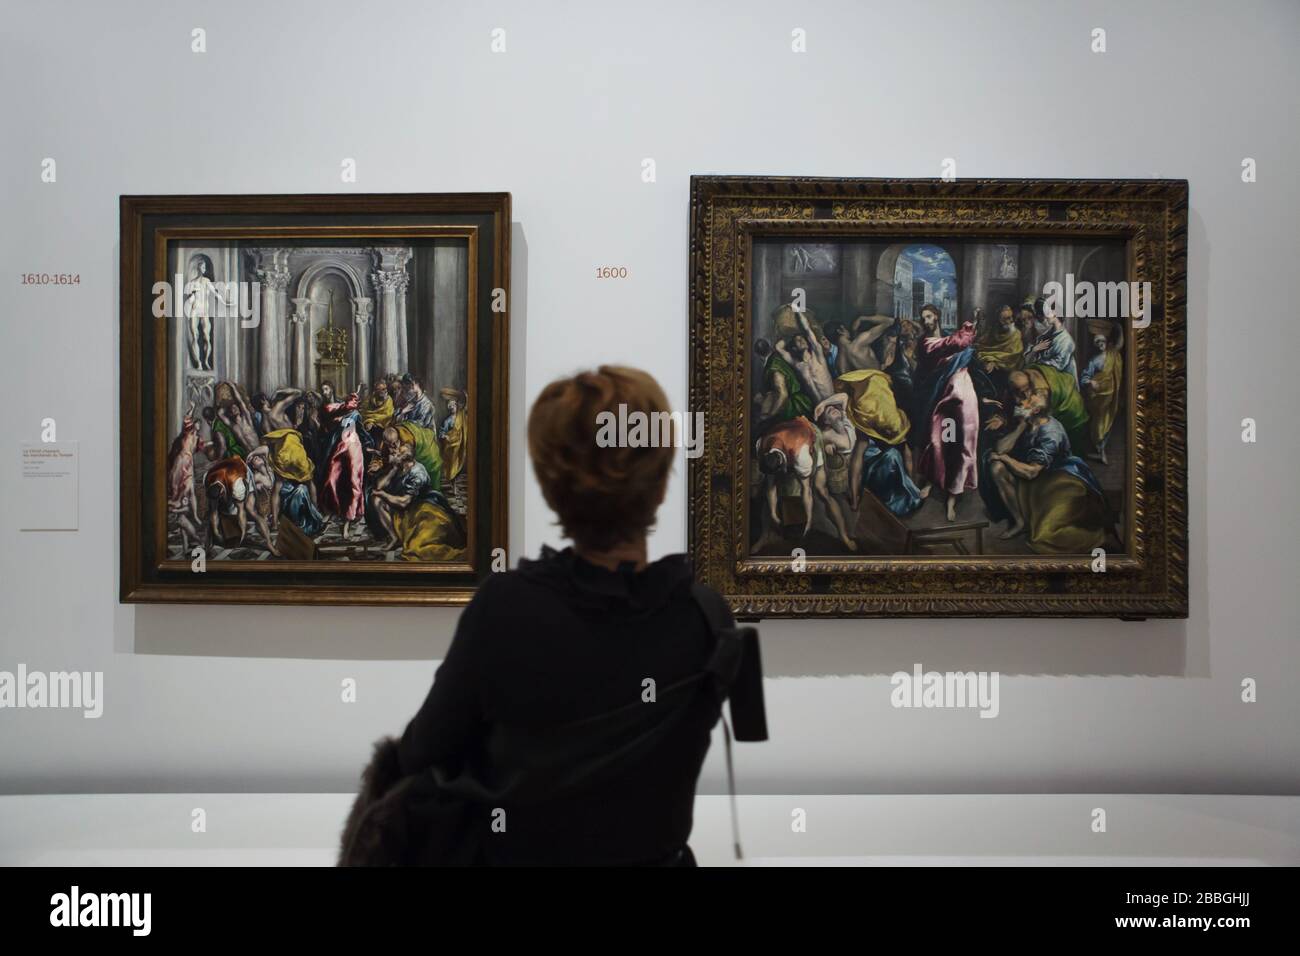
[[604, 496]]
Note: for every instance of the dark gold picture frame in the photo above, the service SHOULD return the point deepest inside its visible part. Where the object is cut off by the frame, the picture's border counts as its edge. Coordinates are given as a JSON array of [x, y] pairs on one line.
[[148, 224], [728, 214]]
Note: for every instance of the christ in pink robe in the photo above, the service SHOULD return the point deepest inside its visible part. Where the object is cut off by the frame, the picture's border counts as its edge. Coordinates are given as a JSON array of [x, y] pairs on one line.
[[343, 492], [950, 464]]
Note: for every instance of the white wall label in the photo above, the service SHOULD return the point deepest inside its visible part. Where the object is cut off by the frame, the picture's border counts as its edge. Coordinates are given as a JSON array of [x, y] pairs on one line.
[[47, 489]]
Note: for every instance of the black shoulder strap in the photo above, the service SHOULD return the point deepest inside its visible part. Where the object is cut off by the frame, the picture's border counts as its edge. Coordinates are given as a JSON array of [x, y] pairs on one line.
[[737, 674], [737, 664]]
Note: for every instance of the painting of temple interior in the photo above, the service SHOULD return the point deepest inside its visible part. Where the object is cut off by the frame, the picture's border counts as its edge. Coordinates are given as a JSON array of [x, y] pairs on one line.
[[317, 401], [938, 397]]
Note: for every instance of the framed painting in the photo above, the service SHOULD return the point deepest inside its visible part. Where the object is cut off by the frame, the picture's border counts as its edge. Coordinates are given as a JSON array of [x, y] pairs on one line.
[[313, 397], [928, 398]]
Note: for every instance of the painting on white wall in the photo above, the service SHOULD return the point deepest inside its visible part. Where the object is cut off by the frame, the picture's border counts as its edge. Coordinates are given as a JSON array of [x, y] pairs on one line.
[[321, 388]]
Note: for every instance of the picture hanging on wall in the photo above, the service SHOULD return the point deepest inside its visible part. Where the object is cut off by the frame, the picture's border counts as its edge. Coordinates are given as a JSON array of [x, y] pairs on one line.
[[313, 397], [929, 398]]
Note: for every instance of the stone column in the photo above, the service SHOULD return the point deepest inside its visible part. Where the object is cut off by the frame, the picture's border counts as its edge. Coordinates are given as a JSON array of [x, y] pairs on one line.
[[766, 295], [231, 338], [387, 358], [390, 280], [361, 341], [973, 281], [403, 346], [449, 293], [860, 294], [1048, 263], [300, 345], [272, 340]]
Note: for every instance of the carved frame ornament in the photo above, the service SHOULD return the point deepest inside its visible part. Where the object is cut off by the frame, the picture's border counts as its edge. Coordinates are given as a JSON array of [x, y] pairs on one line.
[[1150, 579]]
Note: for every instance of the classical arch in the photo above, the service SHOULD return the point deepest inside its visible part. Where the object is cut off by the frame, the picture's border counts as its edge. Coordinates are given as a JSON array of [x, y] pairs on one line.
[[887, 264], [302, 347], [886, 268], [1079, 273], [332, 264]]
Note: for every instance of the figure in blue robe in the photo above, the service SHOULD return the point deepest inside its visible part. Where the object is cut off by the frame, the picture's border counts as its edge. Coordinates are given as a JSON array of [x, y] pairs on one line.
[[886, 477], [297, 506], [1059, 353]]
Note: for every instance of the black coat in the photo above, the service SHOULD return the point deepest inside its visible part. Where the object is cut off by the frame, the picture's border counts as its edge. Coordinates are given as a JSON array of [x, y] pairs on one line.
[[553, 642]]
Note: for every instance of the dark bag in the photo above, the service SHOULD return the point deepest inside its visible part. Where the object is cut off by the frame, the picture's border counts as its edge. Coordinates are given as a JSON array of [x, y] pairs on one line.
[[405, 820], [434, 819]]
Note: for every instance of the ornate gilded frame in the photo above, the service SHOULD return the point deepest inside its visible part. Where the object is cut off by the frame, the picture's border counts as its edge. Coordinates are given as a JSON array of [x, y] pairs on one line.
[[1148, 580], [148, 223]]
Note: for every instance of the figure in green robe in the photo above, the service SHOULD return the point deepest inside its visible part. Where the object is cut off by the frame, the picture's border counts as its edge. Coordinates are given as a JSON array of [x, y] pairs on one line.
[[783, 397], [233, 446], [424, 443], [1065, 402]]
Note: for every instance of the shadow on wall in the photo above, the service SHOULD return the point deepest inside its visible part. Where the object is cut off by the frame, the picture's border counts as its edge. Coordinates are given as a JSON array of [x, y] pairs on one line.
[[307, 633], [1010, 646]]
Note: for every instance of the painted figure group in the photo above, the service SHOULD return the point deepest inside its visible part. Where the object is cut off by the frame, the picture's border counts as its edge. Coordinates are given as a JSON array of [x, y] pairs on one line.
[[898, 410], [375, 463]]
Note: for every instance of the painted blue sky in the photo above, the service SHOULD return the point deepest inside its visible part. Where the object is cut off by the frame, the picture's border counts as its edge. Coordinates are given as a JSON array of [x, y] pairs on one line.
[[934, 265]]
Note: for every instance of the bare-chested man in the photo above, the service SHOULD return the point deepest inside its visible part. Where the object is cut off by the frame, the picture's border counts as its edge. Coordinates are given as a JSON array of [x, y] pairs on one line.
[[855, 344], [804, 352], [794, 449], [182, 500], [265, 480], [232, 490], [277, 412], [238, 417]]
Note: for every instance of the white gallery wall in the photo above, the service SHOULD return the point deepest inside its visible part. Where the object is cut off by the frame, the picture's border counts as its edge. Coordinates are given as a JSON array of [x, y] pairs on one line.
[[240, 698]]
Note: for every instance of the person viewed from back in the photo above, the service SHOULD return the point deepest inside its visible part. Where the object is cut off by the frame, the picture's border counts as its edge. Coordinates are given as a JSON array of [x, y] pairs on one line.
[[576, 634]]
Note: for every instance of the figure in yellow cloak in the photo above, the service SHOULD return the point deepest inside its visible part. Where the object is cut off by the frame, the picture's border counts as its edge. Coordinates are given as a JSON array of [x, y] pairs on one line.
[[872, 408], [873, 412], [377, 412], [1101, 391], [452, 434], [429, 532], [999, 345], [413, 511], [287, 456], [1044, 490]]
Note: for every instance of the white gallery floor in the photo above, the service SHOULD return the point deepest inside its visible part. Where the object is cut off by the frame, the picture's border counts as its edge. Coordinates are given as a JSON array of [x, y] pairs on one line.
[[288, 829]]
